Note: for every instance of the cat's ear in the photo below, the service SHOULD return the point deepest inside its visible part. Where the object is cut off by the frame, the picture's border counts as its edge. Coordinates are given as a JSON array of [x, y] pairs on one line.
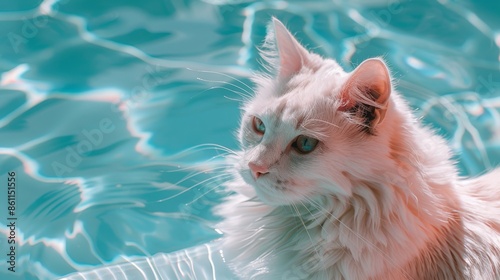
[[368, 89], [292, 55]]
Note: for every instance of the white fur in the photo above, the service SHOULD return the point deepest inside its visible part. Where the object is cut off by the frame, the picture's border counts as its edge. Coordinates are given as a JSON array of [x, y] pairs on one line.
[[380, 204]]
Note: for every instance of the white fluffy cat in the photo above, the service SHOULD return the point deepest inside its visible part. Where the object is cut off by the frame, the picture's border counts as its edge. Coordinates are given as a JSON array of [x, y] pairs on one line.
[[336, 179]]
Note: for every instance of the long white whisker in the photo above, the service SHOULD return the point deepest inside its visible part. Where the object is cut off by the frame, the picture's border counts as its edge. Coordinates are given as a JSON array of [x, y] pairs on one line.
[[196, 148], [205, 193], [189, 176], [223, 74], [207, 166], [245, 97], [234, 99], [305, 227], [203, 167], [194, 186], [244, 91]]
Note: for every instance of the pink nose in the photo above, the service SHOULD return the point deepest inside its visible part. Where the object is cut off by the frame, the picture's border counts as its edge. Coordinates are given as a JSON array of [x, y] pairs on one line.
[[257, 170]]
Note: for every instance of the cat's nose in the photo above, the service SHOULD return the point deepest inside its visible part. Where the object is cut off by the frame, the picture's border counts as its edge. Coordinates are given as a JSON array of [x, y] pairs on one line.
[[257, 170]]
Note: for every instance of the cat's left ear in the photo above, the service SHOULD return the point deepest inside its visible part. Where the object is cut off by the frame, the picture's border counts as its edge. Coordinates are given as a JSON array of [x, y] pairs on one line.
[[292, 55], [368, 88]]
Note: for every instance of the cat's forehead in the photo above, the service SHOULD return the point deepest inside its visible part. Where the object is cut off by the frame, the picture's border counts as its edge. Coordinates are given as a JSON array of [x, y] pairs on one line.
[[285, 117], [314, 82], [291, 112], [279, 111], [301, 97]]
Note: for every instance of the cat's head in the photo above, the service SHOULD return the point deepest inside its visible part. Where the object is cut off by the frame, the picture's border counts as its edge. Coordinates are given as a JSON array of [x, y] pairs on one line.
[[310, 125]]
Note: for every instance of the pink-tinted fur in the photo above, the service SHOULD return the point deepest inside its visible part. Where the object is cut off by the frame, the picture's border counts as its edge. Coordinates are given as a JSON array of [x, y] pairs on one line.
[[377, 199]]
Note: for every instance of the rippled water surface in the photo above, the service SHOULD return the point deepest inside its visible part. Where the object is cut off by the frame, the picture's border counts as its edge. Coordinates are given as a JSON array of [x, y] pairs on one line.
[[98, 97]]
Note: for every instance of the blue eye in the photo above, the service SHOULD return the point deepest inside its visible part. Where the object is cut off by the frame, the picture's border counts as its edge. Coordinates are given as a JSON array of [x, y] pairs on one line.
[[304, 144], [258, 126]]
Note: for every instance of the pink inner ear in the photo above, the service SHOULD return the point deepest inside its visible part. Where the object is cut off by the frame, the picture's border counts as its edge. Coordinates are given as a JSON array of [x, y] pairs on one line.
[[292, 55], [372, 76]]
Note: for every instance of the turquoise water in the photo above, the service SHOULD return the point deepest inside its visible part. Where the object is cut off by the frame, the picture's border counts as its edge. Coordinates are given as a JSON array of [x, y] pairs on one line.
[[98, 98]]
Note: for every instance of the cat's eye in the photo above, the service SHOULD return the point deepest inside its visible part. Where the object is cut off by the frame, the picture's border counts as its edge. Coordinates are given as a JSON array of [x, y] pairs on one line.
[[304, 144], [258, 126]]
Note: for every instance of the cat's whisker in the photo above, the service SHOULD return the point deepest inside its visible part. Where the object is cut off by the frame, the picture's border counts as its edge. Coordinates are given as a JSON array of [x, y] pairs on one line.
[[204, 194], [296, 210], [242, 95], [220, 147], [302, 221], [203, 167], [244, 92], [208, 181], [234, 99], [207, 164], [216, 177], [199, 148], [225, 75], [205, 171], [207, 146]]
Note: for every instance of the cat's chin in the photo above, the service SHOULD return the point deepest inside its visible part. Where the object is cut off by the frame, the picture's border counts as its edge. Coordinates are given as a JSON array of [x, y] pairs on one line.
[[272, 196], [271, 199], [269, 191]]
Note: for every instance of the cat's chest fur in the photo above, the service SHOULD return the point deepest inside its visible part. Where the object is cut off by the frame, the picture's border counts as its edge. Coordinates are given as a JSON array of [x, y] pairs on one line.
[[263, 242]]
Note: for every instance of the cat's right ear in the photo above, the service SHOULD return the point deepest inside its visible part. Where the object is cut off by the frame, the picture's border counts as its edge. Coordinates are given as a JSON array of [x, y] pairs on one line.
[[292, 55], [367, 89]]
